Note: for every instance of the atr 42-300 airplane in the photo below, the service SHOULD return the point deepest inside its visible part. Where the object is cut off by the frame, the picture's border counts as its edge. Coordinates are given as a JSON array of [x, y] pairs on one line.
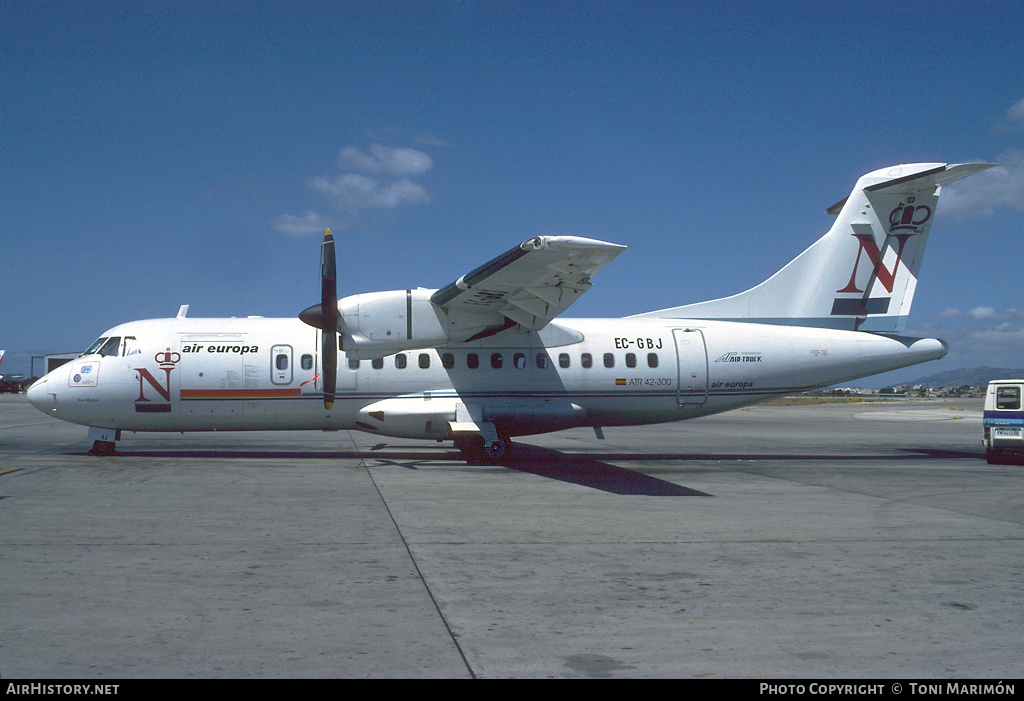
[[484, 359]]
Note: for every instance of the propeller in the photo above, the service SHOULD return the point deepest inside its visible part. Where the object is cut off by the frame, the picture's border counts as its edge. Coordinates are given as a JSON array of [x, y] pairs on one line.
[[324, 316]]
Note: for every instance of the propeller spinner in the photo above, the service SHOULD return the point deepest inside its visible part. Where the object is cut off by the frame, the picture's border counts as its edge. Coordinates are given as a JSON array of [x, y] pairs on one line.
[[324, 316]]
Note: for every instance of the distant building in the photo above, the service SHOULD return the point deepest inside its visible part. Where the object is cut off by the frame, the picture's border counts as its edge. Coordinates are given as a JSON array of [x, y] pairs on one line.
[[52, 362]]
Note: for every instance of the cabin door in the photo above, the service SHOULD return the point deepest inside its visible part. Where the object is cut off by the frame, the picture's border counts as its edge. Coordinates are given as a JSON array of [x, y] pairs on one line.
[[692, 363]]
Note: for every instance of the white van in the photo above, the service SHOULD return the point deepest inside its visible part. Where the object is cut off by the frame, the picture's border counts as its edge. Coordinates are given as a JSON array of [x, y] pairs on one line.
[[1003, 421]]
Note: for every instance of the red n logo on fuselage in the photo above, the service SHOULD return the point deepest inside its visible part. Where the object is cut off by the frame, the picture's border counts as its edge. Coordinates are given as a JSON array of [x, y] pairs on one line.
[[168, 362], [144, 374]]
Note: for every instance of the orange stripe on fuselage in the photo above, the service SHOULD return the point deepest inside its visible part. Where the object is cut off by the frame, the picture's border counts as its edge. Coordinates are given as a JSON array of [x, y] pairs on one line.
[[238, 393]]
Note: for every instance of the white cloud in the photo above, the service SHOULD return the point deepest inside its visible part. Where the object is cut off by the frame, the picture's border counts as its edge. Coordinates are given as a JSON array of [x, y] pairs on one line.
[[385, 160], [309, 223], [354, 192], [1015, 115], [982, 194], [1012, 120], [999, 346], [982, 313], [989, 314], [383, 183], [981, 336]]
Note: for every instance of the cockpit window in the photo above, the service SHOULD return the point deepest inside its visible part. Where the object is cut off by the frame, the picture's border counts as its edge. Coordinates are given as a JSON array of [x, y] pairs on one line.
[[131, 346], [95, 348], [111, 347]]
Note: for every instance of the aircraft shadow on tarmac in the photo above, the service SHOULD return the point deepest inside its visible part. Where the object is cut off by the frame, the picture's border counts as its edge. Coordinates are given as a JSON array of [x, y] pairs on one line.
[[583, 470], [586, 470], [592, 470]]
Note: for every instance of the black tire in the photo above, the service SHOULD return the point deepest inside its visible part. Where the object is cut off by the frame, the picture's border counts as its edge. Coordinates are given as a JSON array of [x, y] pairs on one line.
[[474, 449], [103, 448]]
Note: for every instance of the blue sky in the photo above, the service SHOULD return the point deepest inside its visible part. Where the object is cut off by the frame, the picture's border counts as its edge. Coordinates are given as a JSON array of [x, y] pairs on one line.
[[159, 154]]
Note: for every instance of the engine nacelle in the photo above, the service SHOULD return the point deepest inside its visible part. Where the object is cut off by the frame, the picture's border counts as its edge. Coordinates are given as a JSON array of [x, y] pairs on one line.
[[376, 324]]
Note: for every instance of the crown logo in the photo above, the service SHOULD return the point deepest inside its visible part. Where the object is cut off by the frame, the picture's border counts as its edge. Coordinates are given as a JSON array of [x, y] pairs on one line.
[[166, 359], [908, 216]]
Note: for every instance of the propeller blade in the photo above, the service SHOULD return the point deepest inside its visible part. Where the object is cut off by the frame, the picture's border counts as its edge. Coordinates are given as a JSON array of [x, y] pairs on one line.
[[325, 317], [329, 316], [330, 374]]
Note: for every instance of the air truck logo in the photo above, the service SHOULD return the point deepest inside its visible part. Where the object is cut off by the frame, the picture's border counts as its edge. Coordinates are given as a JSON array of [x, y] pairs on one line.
[[153, 389], [905, 221]]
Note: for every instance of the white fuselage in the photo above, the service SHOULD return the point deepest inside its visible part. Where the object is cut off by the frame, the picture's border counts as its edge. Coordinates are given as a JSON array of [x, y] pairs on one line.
[[182, 374]]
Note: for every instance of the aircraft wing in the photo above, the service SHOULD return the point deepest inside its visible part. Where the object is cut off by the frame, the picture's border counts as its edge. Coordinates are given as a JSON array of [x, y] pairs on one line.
[[528, 285]]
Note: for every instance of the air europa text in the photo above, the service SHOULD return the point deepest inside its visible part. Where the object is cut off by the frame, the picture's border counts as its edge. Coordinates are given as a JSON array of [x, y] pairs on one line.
[[214, 348]]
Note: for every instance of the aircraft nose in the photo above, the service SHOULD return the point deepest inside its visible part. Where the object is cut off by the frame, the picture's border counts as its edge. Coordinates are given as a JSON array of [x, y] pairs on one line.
[[39, 397]]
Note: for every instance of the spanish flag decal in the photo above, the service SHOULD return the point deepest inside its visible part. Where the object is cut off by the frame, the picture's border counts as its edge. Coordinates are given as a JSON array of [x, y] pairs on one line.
[[620, 381]]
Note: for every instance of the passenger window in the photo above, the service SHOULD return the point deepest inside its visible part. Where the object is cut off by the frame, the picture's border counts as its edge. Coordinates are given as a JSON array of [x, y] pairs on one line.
[[353, 363], [448, 361], [586, 360], [519, 361], [563, 360], [377, 363], [630, 360], [652, 360], [424, 361], [473, 361], [542, 361], [400, 361], [281, 361], [609, 360], [1008, 398], [496, 361], [307, 362]]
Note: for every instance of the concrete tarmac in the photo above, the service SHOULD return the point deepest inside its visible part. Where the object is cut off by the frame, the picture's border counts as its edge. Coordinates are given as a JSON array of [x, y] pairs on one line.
[[831, 541]]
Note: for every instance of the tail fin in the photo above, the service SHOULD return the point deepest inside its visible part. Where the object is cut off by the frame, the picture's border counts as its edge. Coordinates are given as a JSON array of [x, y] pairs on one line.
[[863, 272]]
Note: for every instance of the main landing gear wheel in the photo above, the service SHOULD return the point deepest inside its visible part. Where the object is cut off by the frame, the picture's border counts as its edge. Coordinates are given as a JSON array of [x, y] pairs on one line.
[[476, 448], [496, 450]]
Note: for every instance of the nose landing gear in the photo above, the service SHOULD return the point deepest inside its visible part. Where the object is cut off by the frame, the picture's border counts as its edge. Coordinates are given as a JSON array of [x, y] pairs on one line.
[[104, 441], [103, 448]]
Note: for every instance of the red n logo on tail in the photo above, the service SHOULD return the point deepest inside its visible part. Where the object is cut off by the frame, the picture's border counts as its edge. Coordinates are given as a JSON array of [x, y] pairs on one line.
[[884, 275]]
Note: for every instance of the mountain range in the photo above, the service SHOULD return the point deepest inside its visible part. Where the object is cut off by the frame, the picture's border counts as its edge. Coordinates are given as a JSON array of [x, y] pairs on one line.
[[975, 377]]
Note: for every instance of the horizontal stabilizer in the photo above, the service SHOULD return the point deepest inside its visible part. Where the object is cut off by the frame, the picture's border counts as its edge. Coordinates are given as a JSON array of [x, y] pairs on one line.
[[935, 177]]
